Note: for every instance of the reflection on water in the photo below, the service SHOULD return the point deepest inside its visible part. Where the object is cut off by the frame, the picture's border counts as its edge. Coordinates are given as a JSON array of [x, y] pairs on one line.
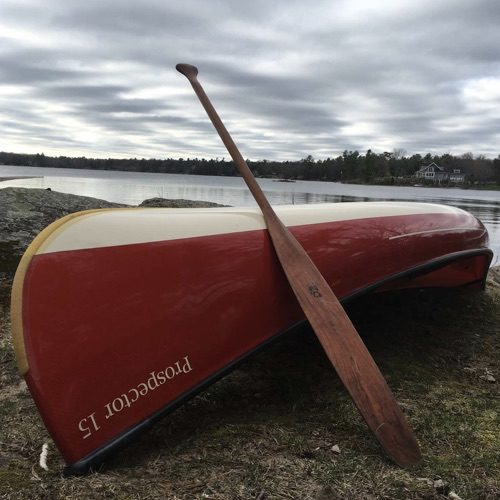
[[134, 187]]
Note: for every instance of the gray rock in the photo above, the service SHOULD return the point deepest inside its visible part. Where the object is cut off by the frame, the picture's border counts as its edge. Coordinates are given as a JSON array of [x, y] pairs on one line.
[[162, 202]]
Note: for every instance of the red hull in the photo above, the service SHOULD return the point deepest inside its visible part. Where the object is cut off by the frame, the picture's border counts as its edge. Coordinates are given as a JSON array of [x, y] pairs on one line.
[[115, 334]]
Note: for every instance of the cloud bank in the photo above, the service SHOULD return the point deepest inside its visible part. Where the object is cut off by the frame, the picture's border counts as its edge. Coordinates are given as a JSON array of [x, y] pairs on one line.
[[289, 78]]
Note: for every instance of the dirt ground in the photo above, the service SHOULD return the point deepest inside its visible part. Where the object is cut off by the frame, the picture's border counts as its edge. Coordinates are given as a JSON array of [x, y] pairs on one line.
[[281, 426]]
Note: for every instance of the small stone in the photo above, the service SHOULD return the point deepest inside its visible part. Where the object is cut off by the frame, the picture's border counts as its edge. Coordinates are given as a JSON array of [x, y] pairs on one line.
[[43, 457], [441, 487], [488, 376], [335, 448], [453, 496], [425, 480]]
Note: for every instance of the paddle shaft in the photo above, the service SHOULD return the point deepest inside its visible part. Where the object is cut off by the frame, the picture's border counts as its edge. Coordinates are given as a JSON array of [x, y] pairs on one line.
[[340, 340]]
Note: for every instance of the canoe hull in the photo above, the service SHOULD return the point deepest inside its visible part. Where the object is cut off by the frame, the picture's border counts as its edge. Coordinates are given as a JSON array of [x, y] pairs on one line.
[[115, 335]]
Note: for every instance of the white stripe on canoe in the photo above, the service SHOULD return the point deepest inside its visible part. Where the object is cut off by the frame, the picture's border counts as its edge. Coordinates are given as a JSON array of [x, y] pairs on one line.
[[429, 231], [113, 227]]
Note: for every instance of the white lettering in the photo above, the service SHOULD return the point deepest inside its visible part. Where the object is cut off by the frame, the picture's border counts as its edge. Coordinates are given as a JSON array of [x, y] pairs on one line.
[[88, 430], [178, 366], [136, 392], [186, 367], [170, 372], [110, 413], [127, 402], [96, 427], [84, 429], [88, 425], [152, 381], [115, 406]]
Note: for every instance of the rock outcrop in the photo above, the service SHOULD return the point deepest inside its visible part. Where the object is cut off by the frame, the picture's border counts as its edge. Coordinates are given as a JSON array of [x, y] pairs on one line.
[[162, 202]]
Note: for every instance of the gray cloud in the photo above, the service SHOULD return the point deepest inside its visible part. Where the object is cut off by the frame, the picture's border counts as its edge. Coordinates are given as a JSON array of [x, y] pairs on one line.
[[289, 78]]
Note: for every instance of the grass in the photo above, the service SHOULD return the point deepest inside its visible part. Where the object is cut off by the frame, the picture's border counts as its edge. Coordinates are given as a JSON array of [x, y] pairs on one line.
[[267, 430]]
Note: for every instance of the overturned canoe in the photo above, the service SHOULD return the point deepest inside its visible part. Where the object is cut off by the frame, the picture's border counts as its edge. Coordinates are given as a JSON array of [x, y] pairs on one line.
[[121, 315]]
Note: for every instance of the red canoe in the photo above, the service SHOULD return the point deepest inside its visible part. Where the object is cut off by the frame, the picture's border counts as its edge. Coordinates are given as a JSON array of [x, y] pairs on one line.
[[119, 315]]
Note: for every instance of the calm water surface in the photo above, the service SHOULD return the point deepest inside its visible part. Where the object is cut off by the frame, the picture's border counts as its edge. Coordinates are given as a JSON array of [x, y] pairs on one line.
[[134, 187]]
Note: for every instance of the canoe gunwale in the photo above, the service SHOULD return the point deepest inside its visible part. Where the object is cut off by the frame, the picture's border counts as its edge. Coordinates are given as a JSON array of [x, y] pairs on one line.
[[425, 268], [91, 461]]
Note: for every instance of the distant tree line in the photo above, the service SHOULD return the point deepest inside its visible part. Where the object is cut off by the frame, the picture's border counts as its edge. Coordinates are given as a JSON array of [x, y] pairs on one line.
[[351, 166]]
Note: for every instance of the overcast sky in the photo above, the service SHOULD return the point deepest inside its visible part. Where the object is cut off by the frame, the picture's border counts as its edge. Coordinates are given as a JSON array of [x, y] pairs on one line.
[[289, 78]]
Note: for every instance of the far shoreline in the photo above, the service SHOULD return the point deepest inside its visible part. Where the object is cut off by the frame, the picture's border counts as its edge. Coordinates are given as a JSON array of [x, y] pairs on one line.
[[417, 183], [13, 178]]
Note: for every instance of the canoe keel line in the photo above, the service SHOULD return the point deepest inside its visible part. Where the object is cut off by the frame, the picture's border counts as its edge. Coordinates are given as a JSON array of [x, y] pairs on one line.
[[120, 316]]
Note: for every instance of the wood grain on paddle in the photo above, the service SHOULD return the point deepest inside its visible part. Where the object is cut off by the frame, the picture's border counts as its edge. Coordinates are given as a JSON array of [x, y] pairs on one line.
[[340, 340]]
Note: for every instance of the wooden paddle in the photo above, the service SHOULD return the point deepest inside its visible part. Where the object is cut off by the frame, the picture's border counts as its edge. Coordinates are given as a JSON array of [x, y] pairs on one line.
[[340, 340]]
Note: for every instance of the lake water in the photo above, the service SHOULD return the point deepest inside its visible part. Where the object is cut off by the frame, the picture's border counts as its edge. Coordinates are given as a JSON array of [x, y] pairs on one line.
[[134, 187]]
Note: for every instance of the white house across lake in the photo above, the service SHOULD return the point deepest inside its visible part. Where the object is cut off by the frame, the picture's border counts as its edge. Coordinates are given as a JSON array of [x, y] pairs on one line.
[[436, 173]]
